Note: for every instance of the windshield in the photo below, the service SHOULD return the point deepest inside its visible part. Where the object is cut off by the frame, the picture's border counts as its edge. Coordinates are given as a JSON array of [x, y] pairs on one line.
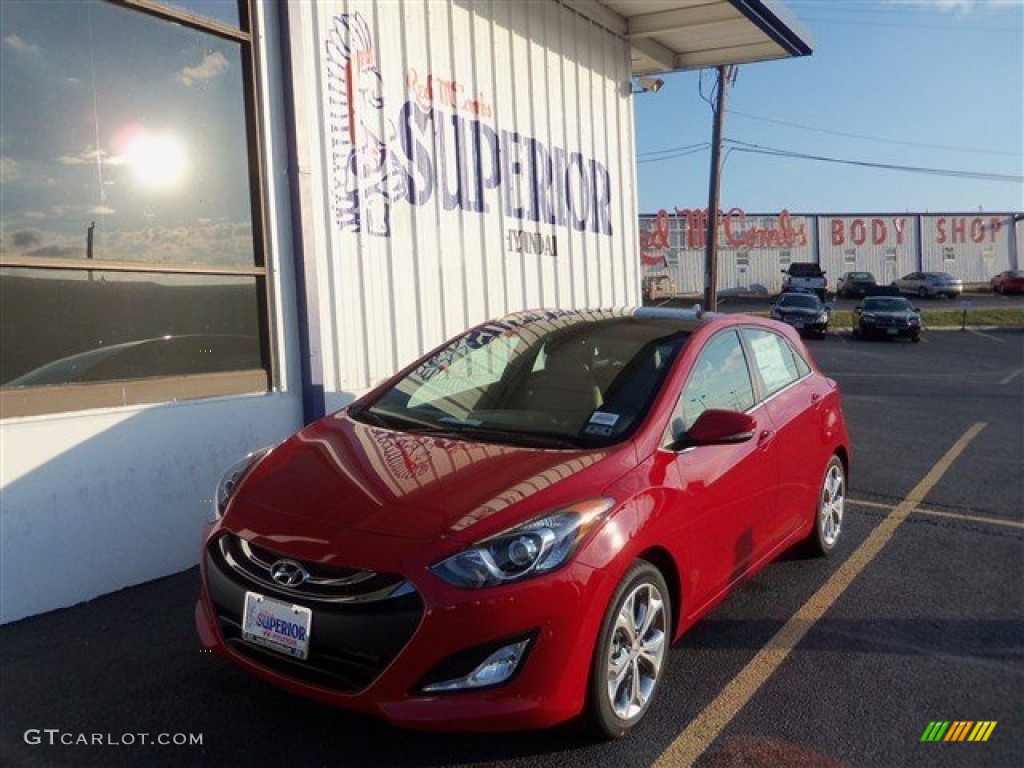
[[569, 381], [804, 301], [888, 305]]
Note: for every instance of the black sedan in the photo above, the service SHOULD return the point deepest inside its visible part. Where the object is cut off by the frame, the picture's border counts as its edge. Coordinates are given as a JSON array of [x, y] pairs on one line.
[[855, 284], [804, 311], [887, 316]]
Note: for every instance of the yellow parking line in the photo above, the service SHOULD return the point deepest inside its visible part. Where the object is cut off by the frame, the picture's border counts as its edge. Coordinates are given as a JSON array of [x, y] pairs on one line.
[[706, 726], [937, 513]]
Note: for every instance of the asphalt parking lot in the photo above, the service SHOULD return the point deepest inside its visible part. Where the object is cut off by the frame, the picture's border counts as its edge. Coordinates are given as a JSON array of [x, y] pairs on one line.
[[918, 618]]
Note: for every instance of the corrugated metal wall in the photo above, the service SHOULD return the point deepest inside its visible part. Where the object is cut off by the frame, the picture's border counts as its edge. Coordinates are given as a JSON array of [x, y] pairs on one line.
[[753, 249], [883, 244], [469, 159], [972, 247]]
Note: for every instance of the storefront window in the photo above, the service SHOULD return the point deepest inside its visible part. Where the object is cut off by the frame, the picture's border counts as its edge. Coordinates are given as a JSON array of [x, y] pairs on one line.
[[130, 196]]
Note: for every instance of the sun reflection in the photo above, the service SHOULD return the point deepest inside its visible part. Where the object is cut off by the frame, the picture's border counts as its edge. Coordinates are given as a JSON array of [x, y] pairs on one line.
[[157, 160]]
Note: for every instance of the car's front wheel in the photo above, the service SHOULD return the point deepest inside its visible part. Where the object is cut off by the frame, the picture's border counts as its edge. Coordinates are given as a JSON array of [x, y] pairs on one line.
[[828, 523], [631, 651]]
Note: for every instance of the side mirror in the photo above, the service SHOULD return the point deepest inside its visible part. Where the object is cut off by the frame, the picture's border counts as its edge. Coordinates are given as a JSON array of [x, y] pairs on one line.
[[717, 427]]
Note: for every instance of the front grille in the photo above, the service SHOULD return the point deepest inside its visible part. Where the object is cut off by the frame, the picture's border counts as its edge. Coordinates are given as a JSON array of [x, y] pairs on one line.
[[350, 643], [322, 583]]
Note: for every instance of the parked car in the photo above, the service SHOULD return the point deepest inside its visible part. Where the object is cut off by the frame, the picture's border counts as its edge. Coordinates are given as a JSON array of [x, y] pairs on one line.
[[930, 284], [805, 274], [804, 311], [1010, 281], [888, 316], [513, 530], [855, 284]]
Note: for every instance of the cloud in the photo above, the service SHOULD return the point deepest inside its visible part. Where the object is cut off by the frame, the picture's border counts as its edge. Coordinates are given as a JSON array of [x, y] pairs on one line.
[[26, 238], [214, 65], [21, 46], [958, 6], [9, 169], [88, 156], [101, 210]]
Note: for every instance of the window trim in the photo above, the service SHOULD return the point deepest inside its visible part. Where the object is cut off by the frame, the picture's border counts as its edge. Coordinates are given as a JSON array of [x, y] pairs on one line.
[[70, 398]]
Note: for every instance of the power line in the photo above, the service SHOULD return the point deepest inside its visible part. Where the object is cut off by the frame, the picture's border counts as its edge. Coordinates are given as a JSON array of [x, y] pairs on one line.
[[758, 149], [871, 138], [675, 155], [672, 150]]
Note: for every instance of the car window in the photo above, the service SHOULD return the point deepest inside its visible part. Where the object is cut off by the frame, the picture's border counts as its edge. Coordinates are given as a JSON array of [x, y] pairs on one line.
[[719, 379], [774, 359]]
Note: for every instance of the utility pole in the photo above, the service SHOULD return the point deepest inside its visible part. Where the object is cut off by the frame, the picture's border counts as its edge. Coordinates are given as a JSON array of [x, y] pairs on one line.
[[711, 239]]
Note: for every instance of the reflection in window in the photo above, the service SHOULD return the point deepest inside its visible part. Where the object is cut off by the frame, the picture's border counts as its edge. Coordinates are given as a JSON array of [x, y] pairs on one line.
[[68, 328], [129, 226], [122, 138], [719, 379]]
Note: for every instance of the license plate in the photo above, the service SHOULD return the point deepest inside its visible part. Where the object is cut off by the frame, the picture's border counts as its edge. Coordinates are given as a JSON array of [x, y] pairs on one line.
[[892, 331], [280, 626]]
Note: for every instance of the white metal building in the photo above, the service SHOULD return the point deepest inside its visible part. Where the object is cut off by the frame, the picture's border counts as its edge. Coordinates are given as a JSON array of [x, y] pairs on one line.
[[222, 219], [755, 248]]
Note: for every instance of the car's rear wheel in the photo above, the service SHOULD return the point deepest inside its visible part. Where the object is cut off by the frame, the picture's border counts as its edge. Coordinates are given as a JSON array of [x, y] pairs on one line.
[[828, 523], [922, 292], [631, 651]]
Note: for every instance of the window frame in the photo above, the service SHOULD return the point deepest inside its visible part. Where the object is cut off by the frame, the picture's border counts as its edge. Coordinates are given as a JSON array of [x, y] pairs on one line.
[[67, 398]]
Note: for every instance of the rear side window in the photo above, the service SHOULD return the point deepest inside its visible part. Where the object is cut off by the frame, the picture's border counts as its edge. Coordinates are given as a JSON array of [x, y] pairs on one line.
[[775, 360], [720, 379]]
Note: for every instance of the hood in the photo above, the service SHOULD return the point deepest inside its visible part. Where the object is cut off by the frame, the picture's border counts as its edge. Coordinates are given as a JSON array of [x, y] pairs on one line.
[[354, 476]]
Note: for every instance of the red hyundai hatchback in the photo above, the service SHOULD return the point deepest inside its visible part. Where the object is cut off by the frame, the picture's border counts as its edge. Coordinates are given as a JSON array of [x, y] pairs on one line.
[[511, 532]]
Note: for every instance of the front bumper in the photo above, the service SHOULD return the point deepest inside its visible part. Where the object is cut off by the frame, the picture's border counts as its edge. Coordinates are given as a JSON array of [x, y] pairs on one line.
[[890, 331], [373, 658]]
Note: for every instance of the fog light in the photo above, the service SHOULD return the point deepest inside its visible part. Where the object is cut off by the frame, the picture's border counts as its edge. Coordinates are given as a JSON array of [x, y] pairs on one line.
[[494, 670]]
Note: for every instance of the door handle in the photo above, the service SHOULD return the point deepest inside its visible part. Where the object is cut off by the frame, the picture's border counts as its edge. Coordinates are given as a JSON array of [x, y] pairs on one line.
[[815, 399], [766, 436]]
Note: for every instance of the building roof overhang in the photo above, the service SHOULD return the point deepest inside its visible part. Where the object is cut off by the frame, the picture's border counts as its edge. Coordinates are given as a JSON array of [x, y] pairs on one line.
[[673, 35]]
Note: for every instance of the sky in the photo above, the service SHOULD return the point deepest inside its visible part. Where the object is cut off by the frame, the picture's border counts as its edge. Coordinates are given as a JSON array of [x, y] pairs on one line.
[[932, 84]]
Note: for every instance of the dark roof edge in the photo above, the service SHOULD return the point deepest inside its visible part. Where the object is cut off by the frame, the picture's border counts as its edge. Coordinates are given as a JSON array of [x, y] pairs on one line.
[[778, 22]]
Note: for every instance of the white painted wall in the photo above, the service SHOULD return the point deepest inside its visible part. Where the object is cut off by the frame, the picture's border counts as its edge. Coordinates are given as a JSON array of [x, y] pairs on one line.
[[99, 500]]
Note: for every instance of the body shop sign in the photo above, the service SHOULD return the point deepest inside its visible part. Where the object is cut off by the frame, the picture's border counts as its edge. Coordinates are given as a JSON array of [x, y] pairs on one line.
[[439, 145]]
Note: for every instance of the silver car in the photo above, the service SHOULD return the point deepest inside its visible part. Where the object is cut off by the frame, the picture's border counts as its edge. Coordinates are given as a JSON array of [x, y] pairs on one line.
[[930, 284]]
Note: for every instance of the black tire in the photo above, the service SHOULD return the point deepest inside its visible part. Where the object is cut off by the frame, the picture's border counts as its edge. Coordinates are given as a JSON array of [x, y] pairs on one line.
[[645, 583], [829, 510], [915, 338], [922, 292]]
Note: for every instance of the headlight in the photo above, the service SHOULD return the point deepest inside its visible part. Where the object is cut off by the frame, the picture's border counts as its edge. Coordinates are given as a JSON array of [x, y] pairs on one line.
[[868, 319], [823, 317], [232, 479], [914, 319], [537, 547]]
